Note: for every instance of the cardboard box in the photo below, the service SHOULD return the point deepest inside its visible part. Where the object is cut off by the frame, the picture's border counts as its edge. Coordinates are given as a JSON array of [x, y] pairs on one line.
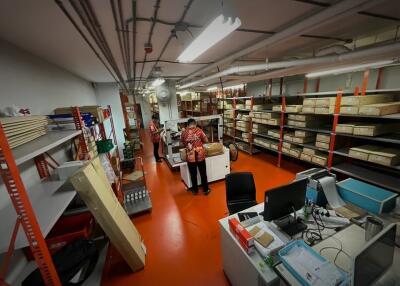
[[323, 138], [325, 102], [374, 129], [362, 152], [322, 145], [380, 109], [320, 159], [241, 233], [386, 157], [269, 115], [309, 102], [294, 108], [309, 151], [302, 117], [303, 140], [325, 110], [346, 128], [274, 133], [92, 185], [364, 100], [288, 137], [277, 108], [352, 110], [308, 109], [295, 152], [305, 157], [287, 145], [274, 122], [285, 150], [274, 146], [301, 133]]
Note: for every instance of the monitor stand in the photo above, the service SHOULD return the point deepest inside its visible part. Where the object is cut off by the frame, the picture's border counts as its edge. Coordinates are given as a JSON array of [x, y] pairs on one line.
[[291, 224]]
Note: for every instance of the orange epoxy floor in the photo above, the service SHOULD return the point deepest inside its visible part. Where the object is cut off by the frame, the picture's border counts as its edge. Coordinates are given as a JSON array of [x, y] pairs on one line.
[[182, 232]]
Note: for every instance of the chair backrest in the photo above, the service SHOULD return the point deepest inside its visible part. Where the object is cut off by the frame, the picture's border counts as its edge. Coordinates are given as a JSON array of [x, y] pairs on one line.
[[240, 186]]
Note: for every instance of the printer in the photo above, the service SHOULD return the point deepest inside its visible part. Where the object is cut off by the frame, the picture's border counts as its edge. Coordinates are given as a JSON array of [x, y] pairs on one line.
[[314, 189]]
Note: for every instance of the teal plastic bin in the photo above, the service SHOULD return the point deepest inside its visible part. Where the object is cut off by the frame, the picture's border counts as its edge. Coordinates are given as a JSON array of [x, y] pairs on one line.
[[369, 197]]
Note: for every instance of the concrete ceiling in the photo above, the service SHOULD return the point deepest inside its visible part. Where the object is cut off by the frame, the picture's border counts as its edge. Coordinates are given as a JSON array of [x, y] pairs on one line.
[[41, 28]]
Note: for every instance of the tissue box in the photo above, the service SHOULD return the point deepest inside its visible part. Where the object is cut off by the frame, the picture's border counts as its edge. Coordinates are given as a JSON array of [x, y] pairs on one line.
[[371, 198]]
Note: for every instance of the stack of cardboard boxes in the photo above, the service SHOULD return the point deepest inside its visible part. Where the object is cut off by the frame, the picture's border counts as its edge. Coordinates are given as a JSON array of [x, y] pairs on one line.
[[376, 154], [378, 104]]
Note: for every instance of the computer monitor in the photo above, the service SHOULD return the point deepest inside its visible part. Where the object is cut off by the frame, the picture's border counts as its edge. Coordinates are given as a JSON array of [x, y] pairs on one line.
[[282, 201], [375, 258]]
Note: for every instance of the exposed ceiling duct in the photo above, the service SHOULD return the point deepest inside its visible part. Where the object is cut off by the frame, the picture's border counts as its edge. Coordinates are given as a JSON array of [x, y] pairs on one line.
[[334, 13], [380, 51]]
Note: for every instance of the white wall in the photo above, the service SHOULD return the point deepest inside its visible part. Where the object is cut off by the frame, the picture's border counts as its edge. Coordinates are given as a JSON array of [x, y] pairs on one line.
[[108, 94], [26, 80]]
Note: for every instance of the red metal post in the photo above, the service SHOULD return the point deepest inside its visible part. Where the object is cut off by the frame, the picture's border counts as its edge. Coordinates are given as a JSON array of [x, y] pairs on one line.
[[356, 91], [283, 110], [305, 85], [317, 82], [379, 78], [234, 119], [334, 125], [251, 126], [20, 200], [42, 166], [79, 125], [365, 82]]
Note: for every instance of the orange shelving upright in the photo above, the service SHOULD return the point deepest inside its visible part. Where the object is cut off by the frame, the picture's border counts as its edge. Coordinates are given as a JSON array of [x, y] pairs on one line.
[[25, 217]]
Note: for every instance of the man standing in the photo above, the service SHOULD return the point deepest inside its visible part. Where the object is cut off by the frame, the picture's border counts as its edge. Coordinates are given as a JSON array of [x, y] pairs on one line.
[[193, 139], [155, 131]]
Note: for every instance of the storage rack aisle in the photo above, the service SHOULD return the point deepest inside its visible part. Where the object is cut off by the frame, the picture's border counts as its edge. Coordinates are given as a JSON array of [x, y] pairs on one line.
[[333, 155]]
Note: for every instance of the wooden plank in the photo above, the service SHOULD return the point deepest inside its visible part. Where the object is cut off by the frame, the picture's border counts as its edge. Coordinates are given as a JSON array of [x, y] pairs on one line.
[[23, 123], [6, 120], [109, 213], [25, 140], [23, 130]]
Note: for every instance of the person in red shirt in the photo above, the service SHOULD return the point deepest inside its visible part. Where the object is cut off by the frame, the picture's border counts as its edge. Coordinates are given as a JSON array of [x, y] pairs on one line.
[[155, 131], [193, 139]]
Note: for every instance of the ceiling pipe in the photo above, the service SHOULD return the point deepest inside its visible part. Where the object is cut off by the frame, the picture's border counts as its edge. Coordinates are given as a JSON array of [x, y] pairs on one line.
[[94, 28], [125, 38], [355, 55], [68, 15], [156, 7], [185, 11], [133, 41], [330, 14], [118, 30]]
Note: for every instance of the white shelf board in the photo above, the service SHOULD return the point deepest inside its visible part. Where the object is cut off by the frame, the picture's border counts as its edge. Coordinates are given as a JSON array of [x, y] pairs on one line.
[[42, 144], [49, 199]]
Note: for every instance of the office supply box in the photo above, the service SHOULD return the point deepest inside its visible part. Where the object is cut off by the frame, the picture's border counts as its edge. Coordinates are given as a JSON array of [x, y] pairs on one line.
[[371, 198]]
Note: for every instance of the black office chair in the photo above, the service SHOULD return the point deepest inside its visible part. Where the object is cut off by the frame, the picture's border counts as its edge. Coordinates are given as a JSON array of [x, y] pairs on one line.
[[240, 191]]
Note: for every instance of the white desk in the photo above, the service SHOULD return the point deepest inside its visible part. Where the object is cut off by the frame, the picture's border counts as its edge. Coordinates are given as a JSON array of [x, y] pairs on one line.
[[241, 268], [245, 270]]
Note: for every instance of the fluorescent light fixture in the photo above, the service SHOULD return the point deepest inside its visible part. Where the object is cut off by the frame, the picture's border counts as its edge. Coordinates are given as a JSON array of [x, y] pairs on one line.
[[217, 30], [158, 81], [212, 88], [353, 68]]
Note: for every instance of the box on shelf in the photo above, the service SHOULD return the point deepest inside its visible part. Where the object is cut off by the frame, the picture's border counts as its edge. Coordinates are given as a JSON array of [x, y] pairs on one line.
[[309, 102], [302, 117], [274, 122], [285, 150], [371, 198], [295, 152], [364, 100], [304, 124], [380, 109], [362, 152], [287, 145], [277, 108], [274, 133], [274, 146], [346, 128], [288, 137], [294, 108], [270, 115], [323, 138], [351, 110], [325, 110], [309, 151], [325, 102], [301, 133], [303, 140], [305, 157], [308, 109], [322, 145], [373, 129], [386, 157], [320, 159]]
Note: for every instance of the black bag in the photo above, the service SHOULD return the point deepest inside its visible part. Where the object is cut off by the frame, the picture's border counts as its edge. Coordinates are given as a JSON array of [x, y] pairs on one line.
[[68, 261]]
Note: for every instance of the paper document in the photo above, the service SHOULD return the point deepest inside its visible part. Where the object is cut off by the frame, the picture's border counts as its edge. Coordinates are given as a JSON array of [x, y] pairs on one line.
[[328, 185]]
